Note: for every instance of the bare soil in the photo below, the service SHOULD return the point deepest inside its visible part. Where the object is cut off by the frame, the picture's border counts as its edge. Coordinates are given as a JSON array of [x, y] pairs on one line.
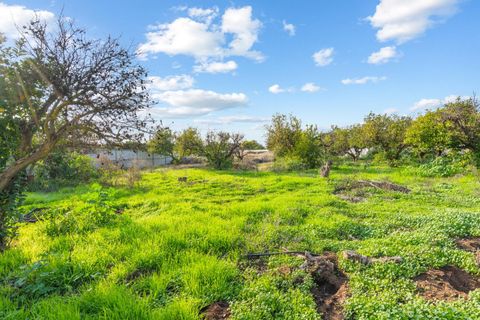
[[447, 283], [216, 311], [330, 290], [471, 245]]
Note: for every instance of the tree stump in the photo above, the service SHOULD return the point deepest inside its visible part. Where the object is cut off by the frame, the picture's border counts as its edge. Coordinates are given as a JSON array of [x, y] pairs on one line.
[[325, 170]]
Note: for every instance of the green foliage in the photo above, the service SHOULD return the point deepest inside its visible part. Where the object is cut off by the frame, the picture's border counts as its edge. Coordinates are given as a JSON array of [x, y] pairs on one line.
[[163, 142], [188, 142], [97, 212], [283, 134], [221, 148], [387, 134], [176, 145], [427, 135], [287, 139], [310, 148], [445, 166], [288, 164], [62, 168], [349, 141], [274, 296], [166, 250], [10, 199], [462, 119], [252, 145]]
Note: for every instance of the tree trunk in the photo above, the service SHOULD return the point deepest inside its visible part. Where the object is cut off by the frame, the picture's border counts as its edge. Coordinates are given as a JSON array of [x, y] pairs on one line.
[[11, 171]]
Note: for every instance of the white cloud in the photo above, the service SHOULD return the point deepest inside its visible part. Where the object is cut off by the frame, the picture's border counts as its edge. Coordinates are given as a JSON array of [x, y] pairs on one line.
[[198, 37], [310, 87], [216, 67], [383, 55], [233, 119], [13, 17], [170, 83], [206, 15], [426, 104], [183, 36], [275, 89], [363, 80], [323, 57], [245, 30], [435, 103], [289, 28], [195, 102], [403, 20]]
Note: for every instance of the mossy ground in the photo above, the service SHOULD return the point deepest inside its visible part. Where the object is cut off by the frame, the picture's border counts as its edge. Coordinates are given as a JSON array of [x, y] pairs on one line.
[[166, 249]]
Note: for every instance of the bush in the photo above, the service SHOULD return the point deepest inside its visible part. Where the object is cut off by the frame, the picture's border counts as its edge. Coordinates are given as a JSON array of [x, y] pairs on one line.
[[62, 169], [445, 166], [288, 164]]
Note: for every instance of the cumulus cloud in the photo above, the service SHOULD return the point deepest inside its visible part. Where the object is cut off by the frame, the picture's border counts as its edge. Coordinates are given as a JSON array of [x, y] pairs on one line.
[[404, 20], [233, 119], [199, 37], [245, 30], [363, 80], [276, 88], [289, 28], [310, 87], [435, 103], [195, 102], [170, 83], [323, 57], [383, 55], [216, 67], [206, 15], [13, 17]]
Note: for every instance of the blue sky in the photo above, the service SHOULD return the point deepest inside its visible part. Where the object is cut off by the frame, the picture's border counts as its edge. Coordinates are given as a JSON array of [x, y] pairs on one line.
[[231, 65]]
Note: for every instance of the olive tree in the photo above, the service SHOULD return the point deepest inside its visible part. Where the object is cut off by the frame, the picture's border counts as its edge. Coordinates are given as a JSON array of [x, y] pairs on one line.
[[387, 133], [220, 148]]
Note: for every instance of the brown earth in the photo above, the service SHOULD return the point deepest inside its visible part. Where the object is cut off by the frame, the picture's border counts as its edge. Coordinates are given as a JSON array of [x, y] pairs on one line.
[[216, 311], [447, 283], [471, 245], [330, 289]]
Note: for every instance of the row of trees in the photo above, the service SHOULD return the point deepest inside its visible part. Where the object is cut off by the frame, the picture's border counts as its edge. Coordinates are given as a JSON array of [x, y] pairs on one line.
[[453, 127], [219, 148]]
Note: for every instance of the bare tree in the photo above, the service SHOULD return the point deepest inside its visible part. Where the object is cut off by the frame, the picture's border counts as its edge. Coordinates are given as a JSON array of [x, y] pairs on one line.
[[61, 86]]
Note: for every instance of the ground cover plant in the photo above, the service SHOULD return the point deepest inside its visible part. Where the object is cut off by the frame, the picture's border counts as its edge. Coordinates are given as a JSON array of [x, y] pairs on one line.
[[175, 246]]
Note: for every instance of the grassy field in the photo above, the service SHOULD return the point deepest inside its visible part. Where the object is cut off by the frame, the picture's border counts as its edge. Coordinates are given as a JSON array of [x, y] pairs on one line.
[[168, 249]]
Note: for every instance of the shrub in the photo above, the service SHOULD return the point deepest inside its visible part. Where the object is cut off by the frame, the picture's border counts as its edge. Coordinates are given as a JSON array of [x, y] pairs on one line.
[[445, 166], [288, 164], [61, 169]]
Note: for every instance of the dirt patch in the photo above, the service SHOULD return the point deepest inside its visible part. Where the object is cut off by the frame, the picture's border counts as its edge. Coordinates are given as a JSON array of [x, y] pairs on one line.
[[471, 245], [447, 283], [357, 190], [347, 185], [216, 311], [351, 198], [330, 289]]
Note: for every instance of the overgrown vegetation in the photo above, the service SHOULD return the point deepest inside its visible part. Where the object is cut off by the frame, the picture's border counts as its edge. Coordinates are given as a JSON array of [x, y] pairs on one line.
[[167, 249]]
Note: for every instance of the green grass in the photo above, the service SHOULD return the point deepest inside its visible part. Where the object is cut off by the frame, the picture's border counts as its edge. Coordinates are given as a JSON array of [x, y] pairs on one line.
[[166, 249]]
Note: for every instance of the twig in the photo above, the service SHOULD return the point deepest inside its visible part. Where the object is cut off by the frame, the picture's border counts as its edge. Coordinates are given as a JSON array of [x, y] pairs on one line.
[[265, 254]]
